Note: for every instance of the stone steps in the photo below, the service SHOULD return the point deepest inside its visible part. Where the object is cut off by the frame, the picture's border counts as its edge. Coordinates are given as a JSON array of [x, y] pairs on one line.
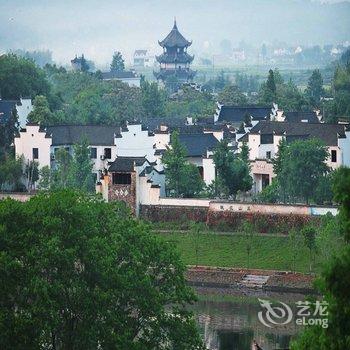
[[255, 281]]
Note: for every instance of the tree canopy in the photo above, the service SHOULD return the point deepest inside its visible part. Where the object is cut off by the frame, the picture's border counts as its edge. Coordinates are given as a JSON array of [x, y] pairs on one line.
[[117, 64], [233, 171], [300, 168], [231, 95], [20, 77], [41, 113], [333, 283], [79, 273], [182, 178]]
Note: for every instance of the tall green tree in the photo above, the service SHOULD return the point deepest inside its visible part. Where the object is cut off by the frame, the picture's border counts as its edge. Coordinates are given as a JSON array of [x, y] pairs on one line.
[[72, 170], [268, 90], [182, 178], [153, 99], [41, 113], [117, 64], [11, 172], [315, 90], [79, 273], [81, 167], [300, 167], [8, 130], [233, 170], [31, 173], [84, 65], [309, 234]]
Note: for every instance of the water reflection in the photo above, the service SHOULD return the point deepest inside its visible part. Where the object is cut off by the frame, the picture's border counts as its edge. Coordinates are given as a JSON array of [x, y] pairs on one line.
[[233, 324]]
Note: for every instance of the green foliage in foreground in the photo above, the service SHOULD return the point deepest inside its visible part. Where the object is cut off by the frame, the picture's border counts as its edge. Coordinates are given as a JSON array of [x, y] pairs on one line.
[[78, 273], [334, 283]]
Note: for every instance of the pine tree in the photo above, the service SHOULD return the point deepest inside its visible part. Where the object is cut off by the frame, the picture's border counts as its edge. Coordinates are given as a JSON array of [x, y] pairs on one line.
[[117, 64], [41, 113], [314, 90], [270, 83], [183, 179]]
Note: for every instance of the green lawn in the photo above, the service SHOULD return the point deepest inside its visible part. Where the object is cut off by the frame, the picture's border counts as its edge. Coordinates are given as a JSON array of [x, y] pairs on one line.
[[267, 252]]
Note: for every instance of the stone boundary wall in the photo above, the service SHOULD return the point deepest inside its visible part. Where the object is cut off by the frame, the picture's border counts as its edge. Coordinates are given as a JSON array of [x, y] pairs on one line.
[[224, 216], [178, 214]]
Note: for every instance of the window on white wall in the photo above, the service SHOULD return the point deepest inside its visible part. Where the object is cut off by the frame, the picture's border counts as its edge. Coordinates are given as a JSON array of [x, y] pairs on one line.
[[35, 153], [268, 154], [93, 152], [334, 156], [108, 153]]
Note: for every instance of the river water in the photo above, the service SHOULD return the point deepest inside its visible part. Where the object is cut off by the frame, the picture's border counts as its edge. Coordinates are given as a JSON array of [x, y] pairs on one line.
[[230, 322]]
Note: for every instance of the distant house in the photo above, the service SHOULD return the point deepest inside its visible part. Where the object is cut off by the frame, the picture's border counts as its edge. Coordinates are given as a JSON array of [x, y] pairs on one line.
[[129, 77], [76, 63], [143, 59], [41, 144]]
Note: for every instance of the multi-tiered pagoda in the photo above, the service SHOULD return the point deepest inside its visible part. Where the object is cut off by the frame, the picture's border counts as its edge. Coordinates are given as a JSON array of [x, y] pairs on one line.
[[175, 61]]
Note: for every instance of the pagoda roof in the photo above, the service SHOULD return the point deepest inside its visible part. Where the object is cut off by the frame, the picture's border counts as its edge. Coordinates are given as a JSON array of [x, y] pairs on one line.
[[178, 73], [183, 57], [175, 39]]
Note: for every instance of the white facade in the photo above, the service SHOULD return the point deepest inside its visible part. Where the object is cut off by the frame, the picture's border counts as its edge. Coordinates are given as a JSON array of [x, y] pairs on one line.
[[261, 155], [33, 145], [136, 142], [344, 146]]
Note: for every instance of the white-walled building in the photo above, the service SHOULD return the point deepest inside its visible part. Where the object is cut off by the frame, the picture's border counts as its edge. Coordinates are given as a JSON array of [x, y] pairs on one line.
[[128, 77], [142, 58], [34, 144], [263, 140], [41, 144]]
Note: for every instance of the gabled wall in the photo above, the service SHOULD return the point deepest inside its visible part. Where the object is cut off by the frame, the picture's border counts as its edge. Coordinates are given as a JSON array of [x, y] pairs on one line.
[[33, 138]]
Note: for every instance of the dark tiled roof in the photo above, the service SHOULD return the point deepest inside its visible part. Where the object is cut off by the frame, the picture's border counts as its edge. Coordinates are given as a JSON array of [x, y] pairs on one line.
[[97, 135], [6, 108], [119, 75], [188, 129], [236, 114], [328, 133], [197, 144], [154, 123], [174, 39], [178, 58], [126, 164], [295, 117]]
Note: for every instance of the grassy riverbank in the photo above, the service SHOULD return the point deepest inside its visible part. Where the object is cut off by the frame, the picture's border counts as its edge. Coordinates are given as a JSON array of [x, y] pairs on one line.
[[266, 252]]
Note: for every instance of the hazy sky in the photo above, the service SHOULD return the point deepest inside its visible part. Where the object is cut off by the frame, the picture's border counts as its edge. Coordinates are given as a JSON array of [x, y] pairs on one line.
[[97, 28]]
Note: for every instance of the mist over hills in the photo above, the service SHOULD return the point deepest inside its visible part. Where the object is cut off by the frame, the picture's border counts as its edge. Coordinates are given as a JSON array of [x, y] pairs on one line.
[[98, 28]]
